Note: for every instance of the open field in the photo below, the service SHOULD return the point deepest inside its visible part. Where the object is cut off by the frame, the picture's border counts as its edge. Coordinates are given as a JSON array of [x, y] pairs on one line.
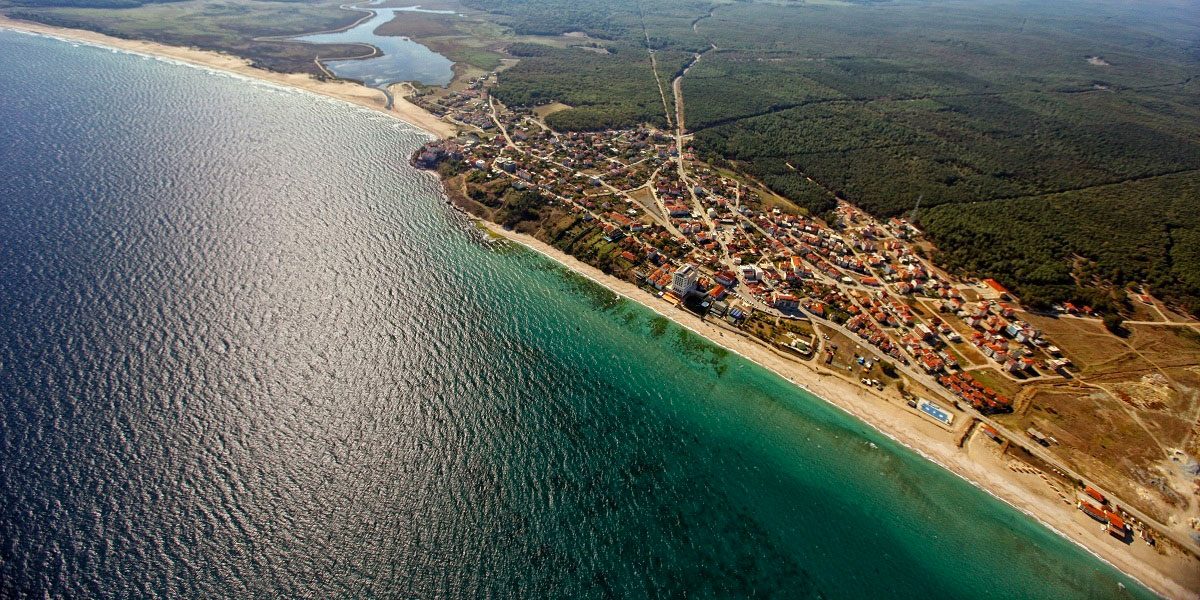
[[1135, 404]]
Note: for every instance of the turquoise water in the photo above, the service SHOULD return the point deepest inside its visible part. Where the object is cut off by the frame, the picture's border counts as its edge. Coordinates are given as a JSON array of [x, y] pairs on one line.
[[401, 60], [245, 350]]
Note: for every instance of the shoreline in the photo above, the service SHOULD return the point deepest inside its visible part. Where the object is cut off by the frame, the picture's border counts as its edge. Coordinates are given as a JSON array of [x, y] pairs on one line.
[[876, 411], [346, 91], [890, 420]]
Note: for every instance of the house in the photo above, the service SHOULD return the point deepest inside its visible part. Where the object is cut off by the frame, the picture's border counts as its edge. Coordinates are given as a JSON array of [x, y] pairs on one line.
[[995, 286], [927, 334], [991, 432], [931, 363], [678, 211], [785, 302], [725, 278]]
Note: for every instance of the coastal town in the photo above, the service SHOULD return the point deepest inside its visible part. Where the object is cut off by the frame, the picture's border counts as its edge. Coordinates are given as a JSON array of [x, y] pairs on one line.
[[845, 293], [712, 243], [1084, 419]]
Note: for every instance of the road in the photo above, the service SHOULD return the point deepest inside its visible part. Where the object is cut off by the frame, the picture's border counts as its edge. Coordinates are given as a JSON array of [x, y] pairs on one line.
[[1019, 439], [1016, 438]]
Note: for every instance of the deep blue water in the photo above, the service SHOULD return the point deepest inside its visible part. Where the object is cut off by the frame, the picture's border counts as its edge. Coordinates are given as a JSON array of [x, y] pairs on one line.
[[246, 351]]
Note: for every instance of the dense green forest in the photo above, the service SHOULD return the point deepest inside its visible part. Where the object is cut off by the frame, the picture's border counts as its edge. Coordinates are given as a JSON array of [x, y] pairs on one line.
[[555, 17], [1061, 246], [883, 155], [605, 19], [604, 90]]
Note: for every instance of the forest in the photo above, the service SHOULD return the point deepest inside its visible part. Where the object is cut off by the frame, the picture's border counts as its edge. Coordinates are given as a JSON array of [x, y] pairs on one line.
[[604, 19], [1070, 246], [604, 90], [884, 155]]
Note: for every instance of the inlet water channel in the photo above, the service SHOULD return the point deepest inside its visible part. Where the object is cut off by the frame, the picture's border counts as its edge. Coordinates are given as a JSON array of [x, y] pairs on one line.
[[399, 58]]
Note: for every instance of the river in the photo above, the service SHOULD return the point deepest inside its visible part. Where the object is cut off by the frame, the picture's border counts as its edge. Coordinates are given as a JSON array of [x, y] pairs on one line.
[[399, 58]]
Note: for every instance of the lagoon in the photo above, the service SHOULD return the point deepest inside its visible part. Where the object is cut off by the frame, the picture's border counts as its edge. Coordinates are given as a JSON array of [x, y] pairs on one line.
[[400, 58]]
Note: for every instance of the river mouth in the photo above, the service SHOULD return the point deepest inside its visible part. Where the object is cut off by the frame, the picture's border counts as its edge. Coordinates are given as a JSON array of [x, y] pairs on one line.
[[393, 59]]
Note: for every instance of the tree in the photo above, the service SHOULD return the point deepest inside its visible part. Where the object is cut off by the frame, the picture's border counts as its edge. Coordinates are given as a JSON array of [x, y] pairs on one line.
[[1113, 322], [888, 369]]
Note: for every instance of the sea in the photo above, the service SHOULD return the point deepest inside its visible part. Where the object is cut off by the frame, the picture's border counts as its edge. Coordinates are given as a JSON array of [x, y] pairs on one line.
[[247, 351]]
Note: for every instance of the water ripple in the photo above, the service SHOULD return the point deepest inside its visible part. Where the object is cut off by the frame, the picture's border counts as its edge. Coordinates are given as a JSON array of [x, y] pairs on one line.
[[245, 351]]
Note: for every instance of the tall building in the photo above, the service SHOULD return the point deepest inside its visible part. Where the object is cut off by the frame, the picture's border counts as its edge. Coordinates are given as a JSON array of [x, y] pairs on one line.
[[684, 280]]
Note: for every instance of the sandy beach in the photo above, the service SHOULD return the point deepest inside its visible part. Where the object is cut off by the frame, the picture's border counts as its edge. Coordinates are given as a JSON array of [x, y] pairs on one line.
[[1173, 575], [343, 90]]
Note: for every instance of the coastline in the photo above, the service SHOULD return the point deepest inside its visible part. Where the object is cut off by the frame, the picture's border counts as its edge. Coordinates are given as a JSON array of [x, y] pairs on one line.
[[886, 416], [891, 418], [347, 91]]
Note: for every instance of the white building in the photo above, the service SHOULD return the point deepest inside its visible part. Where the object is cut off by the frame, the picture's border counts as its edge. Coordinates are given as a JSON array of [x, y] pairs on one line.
[[684, 280]]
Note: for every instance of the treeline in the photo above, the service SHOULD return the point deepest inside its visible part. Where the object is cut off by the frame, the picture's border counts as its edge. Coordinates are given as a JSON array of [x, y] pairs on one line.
[[1080, 245], [729, 85], [604, 90]]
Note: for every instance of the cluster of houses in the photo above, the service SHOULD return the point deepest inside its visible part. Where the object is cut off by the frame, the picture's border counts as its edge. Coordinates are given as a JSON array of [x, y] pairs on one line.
[[865, 328], [1014, 344], [1106, 514], [713, 234], [981, 397], [468, 107], [684, 283]]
